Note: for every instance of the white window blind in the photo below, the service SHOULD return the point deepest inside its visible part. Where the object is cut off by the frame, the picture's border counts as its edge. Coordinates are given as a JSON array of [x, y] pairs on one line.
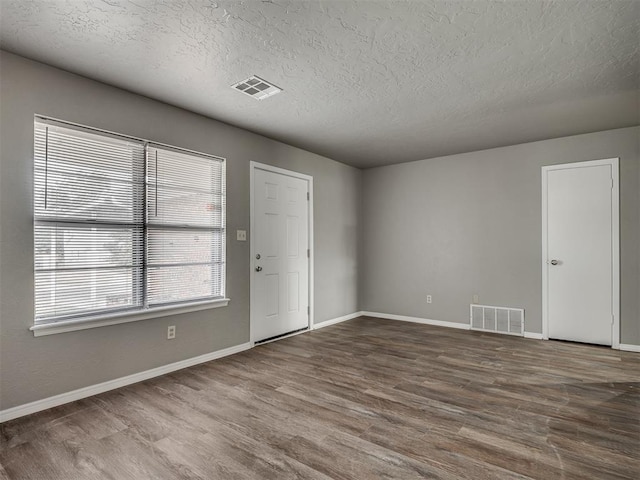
[[115, 233], [185, 226]]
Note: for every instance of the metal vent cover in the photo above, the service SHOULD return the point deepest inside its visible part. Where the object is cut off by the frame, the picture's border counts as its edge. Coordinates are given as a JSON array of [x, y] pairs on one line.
[[489, 318], [257, 88]]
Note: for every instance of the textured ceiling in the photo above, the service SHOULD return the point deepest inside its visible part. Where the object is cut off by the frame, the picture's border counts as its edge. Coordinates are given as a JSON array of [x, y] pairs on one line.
[[365, 82]]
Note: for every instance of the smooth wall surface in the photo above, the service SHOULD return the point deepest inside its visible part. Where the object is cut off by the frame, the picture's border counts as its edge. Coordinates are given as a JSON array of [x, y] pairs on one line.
[[35, 368], [468, 224]]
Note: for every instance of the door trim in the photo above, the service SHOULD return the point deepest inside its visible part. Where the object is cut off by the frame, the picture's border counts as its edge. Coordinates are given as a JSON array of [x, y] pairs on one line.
[[615, 235], [253, 166]]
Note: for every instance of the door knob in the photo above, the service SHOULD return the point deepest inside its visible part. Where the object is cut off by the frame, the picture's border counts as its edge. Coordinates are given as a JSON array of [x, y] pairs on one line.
[[554, 262], [258, 269]]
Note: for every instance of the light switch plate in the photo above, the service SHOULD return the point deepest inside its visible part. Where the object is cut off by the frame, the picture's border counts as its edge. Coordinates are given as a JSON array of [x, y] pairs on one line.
[[241, 235]]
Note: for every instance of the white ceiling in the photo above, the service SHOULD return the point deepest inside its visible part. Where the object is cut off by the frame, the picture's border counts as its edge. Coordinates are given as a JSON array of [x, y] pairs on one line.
[[365, 82]]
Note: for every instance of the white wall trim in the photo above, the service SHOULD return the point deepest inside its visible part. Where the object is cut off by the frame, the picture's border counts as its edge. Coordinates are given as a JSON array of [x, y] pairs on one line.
[[426, 321], [341, 319], [56, 400], [629, 348], [262, 166], [615, 252], [536, 336]]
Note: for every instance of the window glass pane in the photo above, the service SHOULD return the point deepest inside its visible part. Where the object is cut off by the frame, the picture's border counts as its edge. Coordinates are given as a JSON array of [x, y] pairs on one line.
[[63, 246], [182, 207], [88, 199], [183, 171], [184, 189], [86, 291], [180, 246], [181, 283], [85, 176]]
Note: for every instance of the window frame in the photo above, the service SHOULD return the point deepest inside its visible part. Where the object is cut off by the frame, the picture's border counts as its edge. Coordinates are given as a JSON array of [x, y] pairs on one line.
[[79, 321]]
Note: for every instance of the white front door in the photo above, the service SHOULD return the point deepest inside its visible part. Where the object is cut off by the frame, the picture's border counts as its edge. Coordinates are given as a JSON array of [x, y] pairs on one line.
[[280, 249], [579, 266]]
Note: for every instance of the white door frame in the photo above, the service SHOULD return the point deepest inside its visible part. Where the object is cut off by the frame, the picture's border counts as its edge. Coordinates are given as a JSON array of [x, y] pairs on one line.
[[253, 166], [615, 232]]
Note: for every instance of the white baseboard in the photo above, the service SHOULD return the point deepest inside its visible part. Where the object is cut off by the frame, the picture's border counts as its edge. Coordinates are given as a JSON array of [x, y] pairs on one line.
[[629, 348], [439, 323], [536, 336], [45, 403], [426, 321], [333, 321], [39, 405]]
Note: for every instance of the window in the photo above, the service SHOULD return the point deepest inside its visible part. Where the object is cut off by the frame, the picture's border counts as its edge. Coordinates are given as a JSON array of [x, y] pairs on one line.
[[123, 225]]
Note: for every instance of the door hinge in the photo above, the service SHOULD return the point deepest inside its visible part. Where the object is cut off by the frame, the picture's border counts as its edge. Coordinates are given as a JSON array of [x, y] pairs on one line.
[[308, 196], [308, 253], [612, 185], [308, 311]]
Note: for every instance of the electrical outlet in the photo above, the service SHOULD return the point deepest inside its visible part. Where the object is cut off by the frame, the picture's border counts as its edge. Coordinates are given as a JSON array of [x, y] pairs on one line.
[[476, 299], [241, 235], [171, 332], [429, 298]]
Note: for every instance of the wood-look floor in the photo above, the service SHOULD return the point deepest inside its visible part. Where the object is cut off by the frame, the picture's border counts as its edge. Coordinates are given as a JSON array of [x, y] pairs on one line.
[[365, 399]]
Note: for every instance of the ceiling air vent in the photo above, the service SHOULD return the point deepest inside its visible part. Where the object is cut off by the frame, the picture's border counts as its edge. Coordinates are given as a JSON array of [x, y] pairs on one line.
[[257, 88]]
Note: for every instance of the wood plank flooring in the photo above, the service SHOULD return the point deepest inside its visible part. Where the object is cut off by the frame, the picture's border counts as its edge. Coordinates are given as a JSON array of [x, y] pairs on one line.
[[364, 399]]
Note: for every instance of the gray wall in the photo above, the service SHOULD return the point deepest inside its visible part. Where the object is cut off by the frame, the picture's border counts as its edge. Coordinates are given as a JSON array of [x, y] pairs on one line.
[[450, 227], [35, 368], [470, 224]]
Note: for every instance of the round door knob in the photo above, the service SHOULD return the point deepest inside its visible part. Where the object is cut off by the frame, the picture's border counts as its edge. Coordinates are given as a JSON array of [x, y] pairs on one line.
[[554, 262], [258, 269]]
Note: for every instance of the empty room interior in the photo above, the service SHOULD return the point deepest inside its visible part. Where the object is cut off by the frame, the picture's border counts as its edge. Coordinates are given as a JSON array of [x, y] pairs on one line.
[[319, 239]]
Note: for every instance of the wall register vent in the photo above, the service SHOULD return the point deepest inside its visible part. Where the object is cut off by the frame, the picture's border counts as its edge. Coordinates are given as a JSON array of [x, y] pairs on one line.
[[257, 88], [489, 318]]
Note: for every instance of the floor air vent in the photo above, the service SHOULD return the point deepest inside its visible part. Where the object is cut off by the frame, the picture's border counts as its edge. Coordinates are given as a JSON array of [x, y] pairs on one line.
[[497, 319]]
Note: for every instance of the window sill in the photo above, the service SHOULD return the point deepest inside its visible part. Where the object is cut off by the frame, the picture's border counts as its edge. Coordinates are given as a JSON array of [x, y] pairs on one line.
[[115, 319]]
